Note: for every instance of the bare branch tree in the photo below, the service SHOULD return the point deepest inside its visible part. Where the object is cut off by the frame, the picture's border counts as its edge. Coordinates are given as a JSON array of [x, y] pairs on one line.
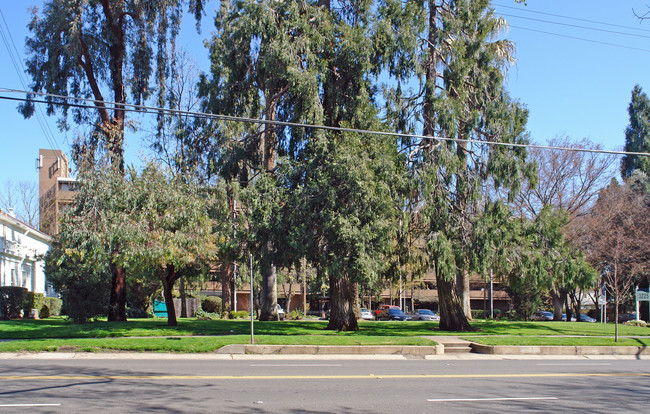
[[615, 236], [22, 196], [568, 180]]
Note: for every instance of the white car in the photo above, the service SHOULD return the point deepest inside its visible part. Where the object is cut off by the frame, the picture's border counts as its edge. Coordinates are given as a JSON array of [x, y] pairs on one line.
[[425, 315], [281, 313], [366, 314]]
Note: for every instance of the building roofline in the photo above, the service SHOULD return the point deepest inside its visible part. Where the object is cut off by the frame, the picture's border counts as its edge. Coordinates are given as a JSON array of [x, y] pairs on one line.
[[7, 217]]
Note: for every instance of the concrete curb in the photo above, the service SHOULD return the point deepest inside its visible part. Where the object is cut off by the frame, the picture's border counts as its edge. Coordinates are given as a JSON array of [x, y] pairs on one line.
[[558, 350], [332, 350]]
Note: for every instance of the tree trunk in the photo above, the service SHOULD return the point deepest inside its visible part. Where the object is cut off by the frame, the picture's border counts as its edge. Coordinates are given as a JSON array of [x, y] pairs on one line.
[[269, 311], [462, 283], [169, 277], [343, 297], [452, 316], [181, 290], [226, 282], [117, 309], [567, 306], [557, 304]]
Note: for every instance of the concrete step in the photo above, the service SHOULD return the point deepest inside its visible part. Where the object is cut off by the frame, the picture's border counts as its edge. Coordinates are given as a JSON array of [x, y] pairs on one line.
[[458, 348]]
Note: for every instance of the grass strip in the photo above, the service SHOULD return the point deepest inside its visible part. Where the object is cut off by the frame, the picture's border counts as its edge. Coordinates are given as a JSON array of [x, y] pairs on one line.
[[556, 341], [194, 344], [61, 328]]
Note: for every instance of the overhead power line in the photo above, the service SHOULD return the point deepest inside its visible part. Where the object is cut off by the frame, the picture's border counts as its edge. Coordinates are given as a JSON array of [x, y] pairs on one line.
[[576, 26], [580, 38], [527, 10], [229, 118]]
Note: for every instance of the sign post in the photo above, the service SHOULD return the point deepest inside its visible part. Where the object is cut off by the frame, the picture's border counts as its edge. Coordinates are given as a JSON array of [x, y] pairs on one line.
[[252, 308], [642, 295]]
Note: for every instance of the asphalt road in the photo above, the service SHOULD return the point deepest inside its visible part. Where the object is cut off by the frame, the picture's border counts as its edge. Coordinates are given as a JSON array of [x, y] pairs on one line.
[[324, 386]]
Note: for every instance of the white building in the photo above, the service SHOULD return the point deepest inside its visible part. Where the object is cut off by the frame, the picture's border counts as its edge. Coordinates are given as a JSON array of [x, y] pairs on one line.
[[21, 254]]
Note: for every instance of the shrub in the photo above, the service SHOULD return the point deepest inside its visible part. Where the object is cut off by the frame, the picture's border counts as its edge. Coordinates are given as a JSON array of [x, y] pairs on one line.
[[239, 314], [211, 304], [137, 313], [54, 305], [38, 302], [295, 315], [82, 280], [636, 323], [201, 314], [44, 312], [13, 299]]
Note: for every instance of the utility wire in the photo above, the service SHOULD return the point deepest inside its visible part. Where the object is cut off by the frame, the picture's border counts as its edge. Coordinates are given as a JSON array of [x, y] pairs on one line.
[[229, 118], [44, 125], [573, 18], [581, 38], [576, 26]]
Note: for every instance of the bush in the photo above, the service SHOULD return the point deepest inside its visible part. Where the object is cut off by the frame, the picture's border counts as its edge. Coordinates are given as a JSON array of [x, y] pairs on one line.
[[636, 323], [211, 304], [295, 315], [44, 312], [54, 305], [201, 314], [137, 313], [37, 303], [82, 280], [13, 299], [239, 315]]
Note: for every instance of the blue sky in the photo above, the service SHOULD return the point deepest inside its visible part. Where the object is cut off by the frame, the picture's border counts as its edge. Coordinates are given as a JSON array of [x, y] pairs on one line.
[[571, 87]]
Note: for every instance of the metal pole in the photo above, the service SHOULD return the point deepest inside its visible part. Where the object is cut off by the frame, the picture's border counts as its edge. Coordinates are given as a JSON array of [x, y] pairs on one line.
[[234, 279], [636, 299], [252, 309], [491, 297], [234, 287]]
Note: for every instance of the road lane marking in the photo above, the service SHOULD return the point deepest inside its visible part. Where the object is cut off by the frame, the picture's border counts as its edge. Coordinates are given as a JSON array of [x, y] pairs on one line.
[[577, 364], [489, 399], [303, 377], [28, 405], [295, 365]]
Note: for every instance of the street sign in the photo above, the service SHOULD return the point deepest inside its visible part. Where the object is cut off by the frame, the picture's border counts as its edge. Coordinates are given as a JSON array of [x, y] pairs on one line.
[[642, 295]]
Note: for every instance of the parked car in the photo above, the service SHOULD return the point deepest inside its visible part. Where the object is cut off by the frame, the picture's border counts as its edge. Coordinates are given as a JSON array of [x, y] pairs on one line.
[[543, 316], [281, 313], [586, 318], [573, 317], [624, 317], [381, 308], [366, 314], [425, 315], [394, 314]]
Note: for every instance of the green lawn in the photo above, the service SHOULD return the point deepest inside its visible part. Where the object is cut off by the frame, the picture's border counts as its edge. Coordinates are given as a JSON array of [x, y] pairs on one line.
[[193, 335], [557, 341]]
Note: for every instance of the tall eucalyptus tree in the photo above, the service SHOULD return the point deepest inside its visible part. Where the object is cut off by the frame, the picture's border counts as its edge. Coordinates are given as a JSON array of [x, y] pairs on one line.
[[462, 97], [102, 50]]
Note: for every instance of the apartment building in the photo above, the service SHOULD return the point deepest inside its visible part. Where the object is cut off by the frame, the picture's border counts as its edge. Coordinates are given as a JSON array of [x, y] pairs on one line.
[[56, 188]]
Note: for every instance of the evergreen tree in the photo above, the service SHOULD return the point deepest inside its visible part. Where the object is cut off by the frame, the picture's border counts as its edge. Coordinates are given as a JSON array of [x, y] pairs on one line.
[[263, 67], [637, 134], [102, 50], [462, 97]]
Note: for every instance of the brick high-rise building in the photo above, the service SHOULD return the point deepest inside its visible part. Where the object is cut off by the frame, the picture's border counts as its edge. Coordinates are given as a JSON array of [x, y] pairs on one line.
[[56, 188]]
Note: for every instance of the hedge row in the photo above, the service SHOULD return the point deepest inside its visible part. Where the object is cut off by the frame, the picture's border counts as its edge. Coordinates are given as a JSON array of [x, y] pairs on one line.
[[16, 302]]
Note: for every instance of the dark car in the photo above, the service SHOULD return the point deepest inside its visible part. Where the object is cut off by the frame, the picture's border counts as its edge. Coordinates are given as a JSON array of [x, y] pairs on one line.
[[586, 318], [624, 317], [543, 316], [394, 314], [377, 312]]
